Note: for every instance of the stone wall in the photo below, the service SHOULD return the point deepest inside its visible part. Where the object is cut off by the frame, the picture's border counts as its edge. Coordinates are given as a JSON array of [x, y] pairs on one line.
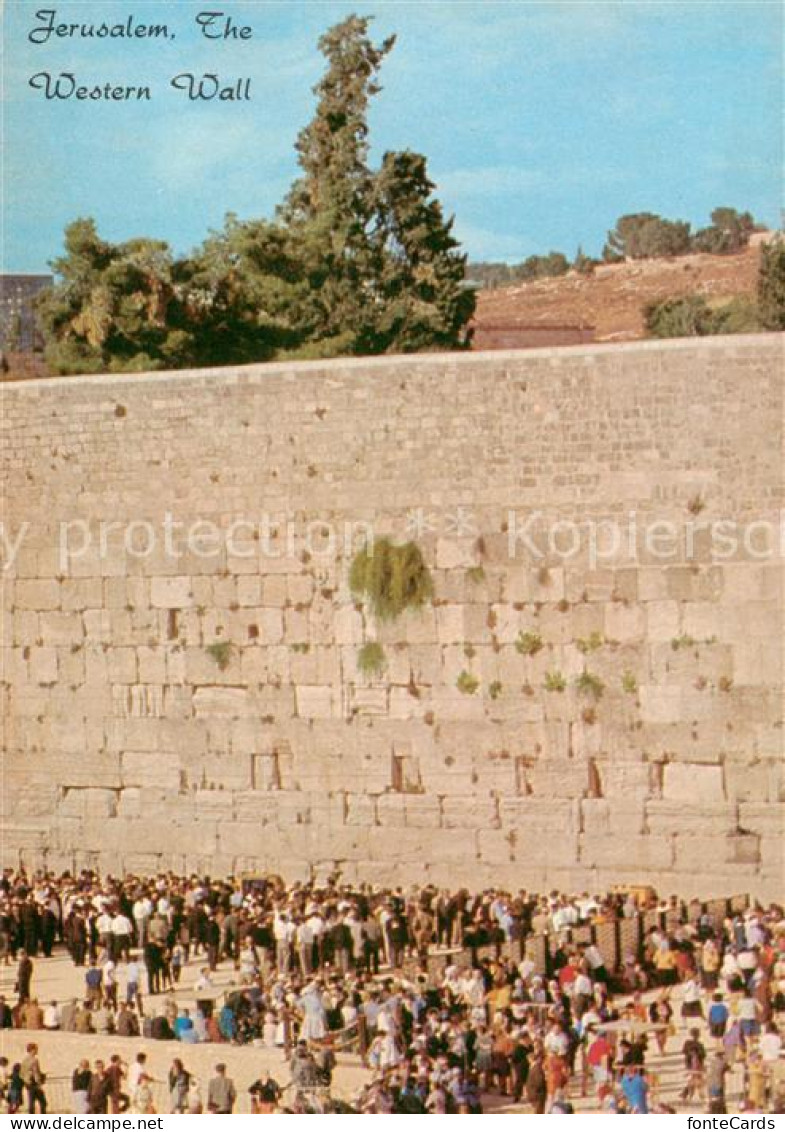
[[192, 710]]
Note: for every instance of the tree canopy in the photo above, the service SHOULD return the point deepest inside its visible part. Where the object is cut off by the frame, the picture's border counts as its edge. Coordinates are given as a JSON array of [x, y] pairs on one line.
[[356, 261]]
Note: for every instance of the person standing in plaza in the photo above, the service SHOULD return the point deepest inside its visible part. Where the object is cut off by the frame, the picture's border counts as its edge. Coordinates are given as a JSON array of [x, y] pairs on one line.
[[33, 1079], [80, 1085], [24, 976], [221, 1093]]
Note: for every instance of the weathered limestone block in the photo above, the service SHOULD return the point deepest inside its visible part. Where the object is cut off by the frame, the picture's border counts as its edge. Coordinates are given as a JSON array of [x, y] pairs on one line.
[[689, 816], [404, 705], [273, 586], [97, 626], [470, 812], [625, 622], [422, 812], [22, 835], [151, 665], [450, 624], [456, 552], [534, 816], [91, 769], [43, 665], [451, 704], [768, 820], [361, 810], [348, 625], [558, 778], [495, 846], [257, 807], [425, 664], [146, 768], [624, 782], [214, 805], [244, 838], [121, 666], [599, 817], [58, 628], [643, 854], [203, 668], [171, 593], [692, 851], [229, 702], [37, 594], [759, 782], [316, 701], [660, 704], [662, 620], [694, 784], [89, 802]]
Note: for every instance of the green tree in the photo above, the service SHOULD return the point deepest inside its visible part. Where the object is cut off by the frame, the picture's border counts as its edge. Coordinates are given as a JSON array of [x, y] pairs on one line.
[[329, 207], [687, 316], [542, 266], [728, 232], [644, 235], [771, 285], [115, 306], [356, 261], [418, 300], [244, 294], [383, 268], [691, 316]]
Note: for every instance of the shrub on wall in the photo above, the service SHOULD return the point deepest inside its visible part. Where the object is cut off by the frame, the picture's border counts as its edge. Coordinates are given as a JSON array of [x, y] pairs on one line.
[[390, 578], [221, 652], [371, 660]]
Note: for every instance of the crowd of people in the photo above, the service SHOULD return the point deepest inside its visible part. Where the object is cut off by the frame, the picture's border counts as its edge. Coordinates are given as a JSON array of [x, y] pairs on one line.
[[436, 990]]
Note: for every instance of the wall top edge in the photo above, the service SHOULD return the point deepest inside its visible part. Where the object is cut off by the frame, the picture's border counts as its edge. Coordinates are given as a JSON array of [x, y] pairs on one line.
[[771, 342]]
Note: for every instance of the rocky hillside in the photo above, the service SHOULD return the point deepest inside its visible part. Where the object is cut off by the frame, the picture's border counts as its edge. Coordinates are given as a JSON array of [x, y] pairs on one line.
[[612, 299]]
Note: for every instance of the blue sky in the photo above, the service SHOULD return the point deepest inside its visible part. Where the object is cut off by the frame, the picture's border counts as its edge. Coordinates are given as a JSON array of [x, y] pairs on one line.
[[542, 122]]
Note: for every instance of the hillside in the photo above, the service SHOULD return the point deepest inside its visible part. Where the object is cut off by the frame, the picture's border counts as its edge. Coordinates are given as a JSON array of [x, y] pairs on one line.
[[612, 299]]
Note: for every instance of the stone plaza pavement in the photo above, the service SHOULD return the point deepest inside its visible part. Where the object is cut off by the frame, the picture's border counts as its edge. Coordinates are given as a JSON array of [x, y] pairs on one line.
[[57, 979]]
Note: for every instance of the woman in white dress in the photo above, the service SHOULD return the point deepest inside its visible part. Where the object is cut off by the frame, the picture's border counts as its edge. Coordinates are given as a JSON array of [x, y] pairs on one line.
[[314, 1025]]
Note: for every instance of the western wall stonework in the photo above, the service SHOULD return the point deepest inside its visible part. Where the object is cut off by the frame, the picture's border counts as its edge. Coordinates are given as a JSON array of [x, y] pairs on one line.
[[133, 743]]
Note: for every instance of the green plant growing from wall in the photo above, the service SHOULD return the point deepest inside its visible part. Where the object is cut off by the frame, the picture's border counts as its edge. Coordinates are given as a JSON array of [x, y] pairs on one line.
[[528, 644], [555, 682], [591, 643], [685, 641], [469, 651], [390, 578], [590, 685], [476, 574], [371, 660], [467, 683], [495, 689], [629, 684], [221, 652]]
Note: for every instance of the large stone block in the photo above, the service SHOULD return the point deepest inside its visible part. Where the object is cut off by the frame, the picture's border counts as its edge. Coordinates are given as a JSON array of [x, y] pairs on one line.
[[693, 784], [643, 854], [37, 594], [316, 702], [43, 665], [689, 816], [228, 702], [146, 768], [660, 704], [171, 593]]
